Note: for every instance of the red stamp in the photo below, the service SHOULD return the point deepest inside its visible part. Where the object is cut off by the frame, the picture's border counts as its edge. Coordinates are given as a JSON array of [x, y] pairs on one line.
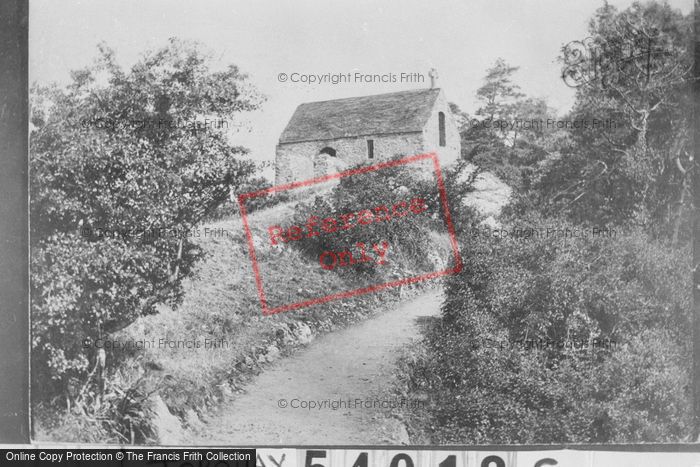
[[358, 236]]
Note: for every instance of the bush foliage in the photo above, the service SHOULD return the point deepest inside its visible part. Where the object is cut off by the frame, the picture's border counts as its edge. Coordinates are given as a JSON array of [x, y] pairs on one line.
[[411, 237], [628, 295], [122, 169], [549, 337]]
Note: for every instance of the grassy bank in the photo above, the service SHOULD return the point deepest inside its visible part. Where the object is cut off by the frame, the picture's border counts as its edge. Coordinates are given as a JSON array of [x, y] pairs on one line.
[[221, 307]]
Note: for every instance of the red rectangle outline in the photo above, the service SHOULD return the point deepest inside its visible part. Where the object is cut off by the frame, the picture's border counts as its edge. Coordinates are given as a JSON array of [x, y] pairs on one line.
[[351, 293]]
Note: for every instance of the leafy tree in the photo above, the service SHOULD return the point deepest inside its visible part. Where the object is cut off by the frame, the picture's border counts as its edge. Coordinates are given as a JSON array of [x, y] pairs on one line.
[[121, 174], [498, 93], [635, 73], [631, 287], [512, 133], [498, 96]]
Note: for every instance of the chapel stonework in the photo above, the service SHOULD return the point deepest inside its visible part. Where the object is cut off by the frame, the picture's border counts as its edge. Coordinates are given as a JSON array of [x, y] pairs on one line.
[[329, 136]]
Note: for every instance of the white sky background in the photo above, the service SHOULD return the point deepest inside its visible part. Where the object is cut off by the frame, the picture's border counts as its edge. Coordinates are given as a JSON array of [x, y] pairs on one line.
[[461, 39]]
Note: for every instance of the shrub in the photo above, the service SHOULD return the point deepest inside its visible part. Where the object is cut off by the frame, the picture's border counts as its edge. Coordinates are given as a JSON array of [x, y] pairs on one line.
[[410, 236], [119, 176], [229, 208], [487, 386], [119, 414]]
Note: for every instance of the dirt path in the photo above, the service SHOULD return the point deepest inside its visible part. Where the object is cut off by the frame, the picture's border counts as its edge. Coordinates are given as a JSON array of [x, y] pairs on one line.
[[354, 363]]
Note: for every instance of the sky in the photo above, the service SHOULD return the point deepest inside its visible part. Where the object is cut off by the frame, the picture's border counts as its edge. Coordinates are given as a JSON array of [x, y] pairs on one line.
[[267, 38]]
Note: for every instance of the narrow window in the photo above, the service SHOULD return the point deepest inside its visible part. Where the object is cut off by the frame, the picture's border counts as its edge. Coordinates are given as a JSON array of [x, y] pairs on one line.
[[441, 128], [370, 148]]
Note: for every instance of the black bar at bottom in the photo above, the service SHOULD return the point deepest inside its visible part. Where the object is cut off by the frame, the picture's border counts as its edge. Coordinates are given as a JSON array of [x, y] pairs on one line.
[[128, 457]]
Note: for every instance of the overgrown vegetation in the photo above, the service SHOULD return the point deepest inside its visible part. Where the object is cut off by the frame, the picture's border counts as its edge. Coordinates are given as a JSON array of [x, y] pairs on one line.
[[411, 238], [121, 175], [221, 305], [123, 168], [255, 183], [121, 204], [559, 340], [571, 323]]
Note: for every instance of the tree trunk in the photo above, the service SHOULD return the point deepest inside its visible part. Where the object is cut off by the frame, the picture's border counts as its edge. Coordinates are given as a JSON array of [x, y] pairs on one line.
[[640, 145]]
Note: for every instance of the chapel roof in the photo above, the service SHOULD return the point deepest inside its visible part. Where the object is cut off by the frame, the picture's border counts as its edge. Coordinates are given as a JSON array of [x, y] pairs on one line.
[[380, 114]]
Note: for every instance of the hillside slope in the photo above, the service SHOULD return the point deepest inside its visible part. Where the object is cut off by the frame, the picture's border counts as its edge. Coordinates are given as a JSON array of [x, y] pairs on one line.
[[221, 307]]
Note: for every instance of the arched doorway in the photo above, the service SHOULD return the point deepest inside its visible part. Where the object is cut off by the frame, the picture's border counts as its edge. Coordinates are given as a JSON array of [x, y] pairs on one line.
[[328, 150], [327, 162]]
